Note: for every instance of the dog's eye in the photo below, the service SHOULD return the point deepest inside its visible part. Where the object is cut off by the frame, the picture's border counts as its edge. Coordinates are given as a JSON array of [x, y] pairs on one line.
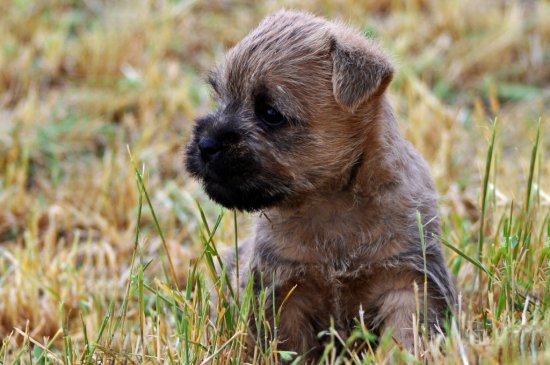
[[270, 116]]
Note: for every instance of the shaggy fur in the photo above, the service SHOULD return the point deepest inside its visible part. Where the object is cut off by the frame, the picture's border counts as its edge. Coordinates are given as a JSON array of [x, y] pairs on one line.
[[338, 185]]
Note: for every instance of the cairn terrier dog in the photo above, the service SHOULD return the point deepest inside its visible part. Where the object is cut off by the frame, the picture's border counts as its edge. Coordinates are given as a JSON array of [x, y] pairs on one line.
[[305, 134]]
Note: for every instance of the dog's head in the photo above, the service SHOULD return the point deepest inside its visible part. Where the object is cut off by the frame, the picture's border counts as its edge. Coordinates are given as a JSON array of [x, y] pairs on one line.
[[291, 114]]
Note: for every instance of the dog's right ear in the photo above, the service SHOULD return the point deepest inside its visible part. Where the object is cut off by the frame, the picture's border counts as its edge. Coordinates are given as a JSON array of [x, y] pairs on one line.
[[360, 70]]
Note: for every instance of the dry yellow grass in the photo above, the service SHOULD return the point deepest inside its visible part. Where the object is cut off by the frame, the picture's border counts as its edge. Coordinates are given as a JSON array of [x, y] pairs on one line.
[[81, 82]]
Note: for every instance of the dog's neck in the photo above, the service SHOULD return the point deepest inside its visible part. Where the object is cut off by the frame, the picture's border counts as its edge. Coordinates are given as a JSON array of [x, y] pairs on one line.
[[319, 226]]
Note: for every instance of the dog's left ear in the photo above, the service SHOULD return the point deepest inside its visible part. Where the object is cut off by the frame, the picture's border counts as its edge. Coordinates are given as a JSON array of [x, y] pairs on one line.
[[360, 70]]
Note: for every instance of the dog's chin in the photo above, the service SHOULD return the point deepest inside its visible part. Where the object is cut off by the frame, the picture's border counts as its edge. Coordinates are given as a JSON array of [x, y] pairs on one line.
[[243, 197]]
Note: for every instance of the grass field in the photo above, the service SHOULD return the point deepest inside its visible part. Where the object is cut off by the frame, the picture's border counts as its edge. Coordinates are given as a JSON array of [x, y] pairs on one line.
[[107, 246]]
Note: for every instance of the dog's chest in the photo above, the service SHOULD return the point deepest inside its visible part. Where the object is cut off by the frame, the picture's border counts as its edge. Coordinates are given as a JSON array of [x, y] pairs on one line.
[[326, 262], [330, 288], [331, 293]]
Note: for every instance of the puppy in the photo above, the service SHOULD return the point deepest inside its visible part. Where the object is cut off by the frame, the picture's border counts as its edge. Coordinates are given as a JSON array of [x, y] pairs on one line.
[[304, 133]]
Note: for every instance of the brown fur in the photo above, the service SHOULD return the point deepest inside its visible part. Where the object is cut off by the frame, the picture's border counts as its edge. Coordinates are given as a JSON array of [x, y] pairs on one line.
[[341, 185]]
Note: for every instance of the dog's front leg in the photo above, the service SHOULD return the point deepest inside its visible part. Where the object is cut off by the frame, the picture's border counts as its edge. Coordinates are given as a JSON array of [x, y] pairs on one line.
[[296, 319], [397, 308]]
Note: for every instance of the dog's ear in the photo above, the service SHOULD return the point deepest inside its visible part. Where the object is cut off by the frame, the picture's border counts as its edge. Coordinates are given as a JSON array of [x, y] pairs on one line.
[[360, 70]]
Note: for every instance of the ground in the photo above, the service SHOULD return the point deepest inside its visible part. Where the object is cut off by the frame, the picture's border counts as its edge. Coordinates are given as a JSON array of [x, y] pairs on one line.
[[107, 246]]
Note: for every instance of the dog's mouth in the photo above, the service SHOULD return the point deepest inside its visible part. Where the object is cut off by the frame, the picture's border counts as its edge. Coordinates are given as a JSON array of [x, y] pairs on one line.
[[249, 193], [237, 182], [243, 196]]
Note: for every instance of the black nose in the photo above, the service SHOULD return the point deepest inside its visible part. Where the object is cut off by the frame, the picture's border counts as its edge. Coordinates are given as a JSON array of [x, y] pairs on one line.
[[209, 147]]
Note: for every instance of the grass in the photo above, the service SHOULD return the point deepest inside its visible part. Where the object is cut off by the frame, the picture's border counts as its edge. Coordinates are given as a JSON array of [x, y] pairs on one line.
[[106, 256]]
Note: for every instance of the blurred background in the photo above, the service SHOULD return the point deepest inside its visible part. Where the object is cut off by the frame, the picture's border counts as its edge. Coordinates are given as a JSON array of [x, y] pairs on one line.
[[83, 83]]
